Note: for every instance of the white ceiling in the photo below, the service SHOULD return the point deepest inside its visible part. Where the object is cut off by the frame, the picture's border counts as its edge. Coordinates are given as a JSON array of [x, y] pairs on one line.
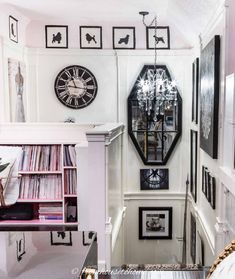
[[189, 16]]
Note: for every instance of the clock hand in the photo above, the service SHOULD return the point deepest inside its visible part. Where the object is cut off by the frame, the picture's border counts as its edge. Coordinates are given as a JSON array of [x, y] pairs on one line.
[[77, 87], [74, 83]]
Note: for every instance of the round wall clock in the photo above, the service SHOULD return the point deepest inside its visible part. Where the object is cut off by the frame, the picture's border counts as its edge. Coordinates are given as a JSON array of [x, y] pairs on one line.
[[75, 87]]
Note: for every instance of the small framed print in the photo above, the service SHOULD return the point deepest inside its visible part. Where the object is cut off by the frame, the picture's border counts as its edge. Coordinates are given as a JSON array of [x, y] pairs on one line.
[[61, 238], [87, 237], [154, 179], [56, 36], [160, 38], [213, 192], [200, 250], [155, 222], [124, 37], [13, 29], [91, 37]]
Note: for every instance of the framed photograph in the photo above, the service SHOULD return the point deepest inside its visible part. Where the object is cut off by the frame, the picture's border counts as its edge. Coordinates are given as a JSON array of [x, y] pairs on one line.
[[155, 222], [212, 191], [209, 97], [13, 29], [154, 179], [56, 36], [193, 164], [61, 238], [193, 236], [87, 237], [17, 98], [203, 179], [195, 86], [124, 37], [200, 250], [91, 37], [160, 38]]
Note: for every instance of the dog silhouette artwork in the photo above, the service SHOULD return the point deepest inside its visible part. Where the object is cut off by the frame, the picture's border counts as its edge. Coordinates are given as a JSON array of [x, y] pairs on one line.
[[159, 39], [124, 40], [57, 38], [90, 38], [12, 30]]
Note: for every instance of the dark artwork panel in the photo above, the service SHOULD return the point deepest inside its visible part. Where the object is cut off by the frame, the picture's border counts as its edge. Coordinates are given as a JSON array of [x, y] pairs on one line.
[[154, 179], [195, 86], [193, 164], [193, 238], [209, 97]]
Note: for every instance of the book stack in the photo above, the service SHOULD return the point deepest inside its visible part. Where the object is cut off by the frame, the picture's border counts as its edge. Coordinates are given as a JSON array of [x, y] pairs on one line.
[[40, 158], [50, 211], [70, 182], [41, 187], [69, 155]]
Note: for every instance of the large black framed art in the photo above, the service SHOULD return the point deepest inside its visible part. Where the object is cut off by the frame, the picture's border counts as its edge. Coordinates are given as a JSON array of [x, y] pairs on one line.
[[209, 97]]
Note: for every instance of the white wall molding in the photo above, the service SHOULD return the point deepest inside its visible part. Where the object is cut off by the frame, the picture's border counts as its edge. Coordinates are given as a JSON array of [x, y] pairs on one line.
[[128, 196], [117, 226]]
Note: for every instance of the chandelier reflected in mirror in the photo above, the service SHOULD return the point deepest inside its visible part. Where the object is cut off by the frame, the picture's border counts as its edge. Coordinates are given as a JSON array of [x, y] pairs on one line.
[[156, 91]]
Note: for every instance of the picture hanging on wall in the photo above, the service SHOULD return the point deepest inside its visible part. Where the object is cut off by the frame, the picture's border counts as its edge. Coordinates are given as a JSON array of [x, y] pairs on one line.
[[155, 222], [193, 164], [91, 37], [209, 97], [193, 231], [124, 37], [209, 186], [200, 250], [20, 247], [13, 29], [17, 98], [56, 36], [61, 238], [154, 179], [87, 237], [160, 38], [195, 87]]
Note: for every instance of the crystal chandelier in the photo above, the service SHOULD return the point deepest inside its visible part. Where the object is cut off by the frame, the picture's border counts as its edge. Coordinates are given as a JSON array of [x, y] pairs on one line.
[[156, 91]]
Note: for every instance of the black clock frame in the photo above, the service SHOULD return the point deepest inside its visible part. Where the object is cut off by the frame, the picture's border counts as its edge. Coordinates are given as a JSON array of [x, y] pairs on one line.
[[132, 101], [87, 98]]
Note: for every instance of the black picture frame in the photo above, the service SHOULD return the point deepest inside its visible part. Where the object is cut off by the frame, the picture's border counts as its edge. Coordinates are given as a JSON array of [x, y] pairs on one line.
[[13, 29], [123, 37], [209, 186], [155, 222], [90, 37], [154, 179], [61, 238], [56, 36], [193, 237], [209, 96], [200, 250], [195, 89], [163, 37], [87, 237], [193, 163], [212, 192]]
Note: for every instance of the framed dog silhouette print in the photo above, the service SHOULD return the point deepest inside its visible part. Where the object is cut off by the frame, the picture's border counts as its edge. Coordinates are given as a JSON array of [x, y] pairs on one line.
[[56, 36], [160, 38], [91, 37], [124, 37]]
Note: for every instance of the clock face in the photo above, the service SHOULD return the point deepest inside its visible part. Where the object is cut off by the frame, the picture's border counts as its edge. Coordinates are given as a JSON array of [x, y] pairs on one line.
[[75, 87]]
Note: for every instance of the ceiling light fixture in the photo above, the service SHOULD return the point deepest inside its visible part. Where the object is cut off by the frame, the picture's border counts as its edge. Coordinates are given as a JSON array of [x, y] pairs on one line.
[[156, 91]]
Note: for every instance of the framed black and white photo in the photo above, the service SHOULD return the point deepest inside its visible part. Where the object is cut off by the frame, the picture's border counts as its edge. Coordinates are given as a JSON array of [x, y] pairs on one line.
[[212, 192], [155, 222], [193, 236], [193, 164], [13, 29], [61, 238], [124, 37], [160, 38], [154, 179], [87, 237], [203, 179], [200, 250], [195, 87], [91, 37], [209, 97], [56, 36]]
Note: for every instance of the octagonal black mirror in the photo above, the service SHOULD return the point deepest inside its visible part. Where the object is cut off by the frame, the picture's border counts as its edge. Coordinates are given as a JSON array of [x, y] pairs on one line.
[[154, 125]]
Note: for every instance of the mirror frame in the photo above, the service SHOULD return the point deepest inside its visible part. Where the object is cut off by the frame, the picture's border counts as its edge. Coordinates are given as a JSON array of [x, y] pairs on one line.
[[132, 98]]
